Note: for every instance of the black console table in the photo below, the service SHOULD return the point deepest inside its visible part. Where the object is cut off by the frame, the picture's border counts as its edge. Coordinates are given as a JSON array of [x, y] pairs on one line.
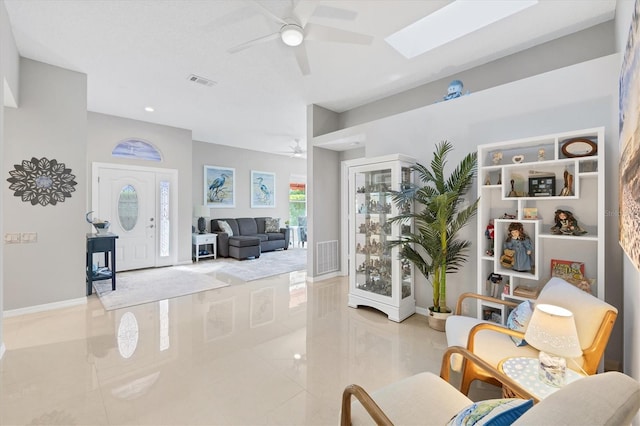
[[101, 243]]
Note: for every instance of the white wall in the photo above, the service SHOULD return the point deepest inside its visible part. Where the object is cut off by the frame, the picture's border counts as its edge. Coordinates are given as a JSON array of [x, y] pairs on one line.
[[243, 161], [9, 81], [631, 318], [51, 123], [106, 131], [591, 43], [322, 193], [9, 62]]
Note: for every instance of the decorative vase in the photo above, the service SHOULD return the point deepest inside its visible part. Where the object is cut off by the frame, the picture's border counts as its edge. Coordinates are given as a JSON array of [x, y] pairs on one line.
[[437, 320], [202, 225], [102, 227]]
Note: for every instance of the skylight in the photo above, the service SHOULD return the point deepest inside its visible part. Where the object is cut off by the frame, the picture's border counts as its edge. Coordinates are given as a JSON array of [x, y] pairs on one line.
[[457, 19]]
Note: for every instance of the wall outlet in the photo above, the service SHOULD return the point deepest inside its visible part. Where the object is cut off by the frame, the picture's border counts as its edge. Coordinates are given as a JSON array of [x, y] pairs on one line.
[[12, 238], [29, 237]]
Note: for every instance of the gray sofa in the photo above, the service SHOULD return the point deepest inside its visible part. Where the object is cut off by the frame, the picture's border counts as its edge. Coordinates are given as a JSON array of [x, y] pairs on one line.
[[248, 238]]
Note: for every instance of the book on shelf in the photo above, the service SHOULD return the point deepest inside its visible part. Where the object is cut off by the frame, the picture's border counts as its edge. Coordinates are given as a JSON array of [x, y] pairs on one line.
[[567, 269], [572, 272], [528, 292]]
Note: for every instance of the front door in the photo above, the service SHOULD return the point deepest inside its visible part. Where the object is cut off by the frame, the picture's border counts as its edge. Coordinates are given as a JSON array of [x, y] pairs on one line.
[[136, 203]]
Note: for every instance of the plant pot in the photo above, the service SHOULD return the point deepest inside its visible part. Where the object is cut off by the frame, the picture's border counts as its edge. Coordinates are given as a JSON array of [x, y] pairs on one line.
[[436, 320]]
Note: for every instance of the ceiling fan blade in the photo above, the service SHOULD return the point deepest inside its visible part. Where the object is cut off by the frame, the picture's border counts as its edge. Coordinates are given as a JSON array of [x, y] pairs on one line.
[[322, 33], [302, 59], [331, 12], [227, 19], [269, 13], [303, 10], [254, 42]]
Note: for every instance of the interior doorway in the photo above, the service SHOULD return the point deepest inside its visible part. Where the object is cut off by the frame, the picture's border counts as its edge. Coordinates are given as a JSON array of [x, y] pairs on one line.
[[141, 205]]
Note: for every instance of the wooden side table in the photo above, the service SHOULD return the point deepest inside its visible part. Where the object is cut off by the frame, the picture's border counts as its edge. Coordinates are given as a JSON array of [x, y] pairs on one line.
[[101, 243], [524, 370], [198, 240]]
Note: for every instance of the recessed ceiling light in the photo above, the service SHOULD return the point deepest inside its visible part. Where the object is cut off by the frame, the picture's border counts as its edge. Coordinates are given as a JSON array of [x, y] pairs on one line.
[[451, 22], [149, 109]]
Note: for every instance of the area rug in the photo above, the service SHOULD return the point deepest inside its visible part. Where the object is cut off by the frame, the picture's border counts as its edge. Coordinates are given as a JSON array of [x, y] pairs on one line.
[[267, 265], [150, 285]]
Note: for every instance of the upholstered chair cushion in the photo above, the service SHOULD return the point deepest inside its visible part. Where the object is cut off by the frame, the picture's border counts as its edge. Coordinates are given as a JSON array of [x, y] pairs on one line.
[[588, 311], [491, 346], [603, 399], [417, 400]]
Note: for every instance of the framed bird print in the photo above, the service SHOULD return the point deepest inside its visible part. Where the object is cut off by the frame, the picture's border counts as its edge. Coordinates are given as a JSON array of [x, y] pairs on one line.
[[263, 189], [219, 187]]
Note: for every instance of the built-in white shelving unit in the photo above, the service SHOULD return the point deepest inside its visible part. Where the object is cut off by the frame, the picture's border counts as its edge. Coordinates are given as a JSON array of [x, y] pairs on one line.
[[532, 173]]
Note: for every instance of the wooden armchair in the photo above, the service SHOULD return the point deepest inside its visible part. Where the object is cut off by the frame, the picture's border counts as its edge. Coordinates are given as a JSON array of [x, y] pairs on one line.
[[491, 342], [609, 398]]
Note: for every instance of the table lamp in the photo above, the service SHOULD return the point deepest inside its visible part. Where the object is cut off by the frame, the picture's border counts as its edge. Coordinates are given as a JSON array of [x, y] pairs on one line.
[[552, 330], [201, 212]]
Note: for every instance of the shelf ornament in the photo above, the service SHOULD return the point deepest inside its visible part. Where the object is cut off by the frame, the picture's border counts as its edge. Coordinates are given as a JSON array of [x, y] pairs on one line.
[[42, 181], [566, 224]]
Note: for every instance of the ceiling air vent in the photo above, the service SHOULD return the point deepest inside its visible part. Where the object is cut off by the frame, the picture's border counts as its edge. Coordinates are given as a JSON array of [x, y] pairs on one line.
[[201, 80]]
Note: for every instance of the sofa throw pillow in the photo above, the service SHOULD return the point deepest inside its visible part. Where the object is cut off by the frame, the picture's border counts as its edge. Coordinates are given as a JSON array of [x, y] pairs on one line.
[[222, 224], [518, 320], [494, 412], [272, 225]]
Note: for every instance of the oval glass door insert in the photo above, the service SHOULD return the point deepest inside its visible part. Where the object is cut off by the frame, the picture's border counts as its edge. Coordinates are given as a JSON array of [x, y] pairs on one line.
[[128, 207]]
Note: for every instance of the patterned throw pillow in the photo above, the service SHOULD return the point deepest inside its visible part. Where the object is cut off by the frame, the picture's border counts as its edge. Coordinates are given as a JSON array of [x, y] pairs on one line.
[[519, 319], [222, 224], [492, 412], [272, 225]]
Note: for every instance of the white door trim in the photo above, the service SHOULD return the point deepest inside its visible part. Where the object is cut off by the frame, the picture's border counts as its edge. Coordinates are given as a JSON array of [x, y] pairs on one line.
[[172, 177]]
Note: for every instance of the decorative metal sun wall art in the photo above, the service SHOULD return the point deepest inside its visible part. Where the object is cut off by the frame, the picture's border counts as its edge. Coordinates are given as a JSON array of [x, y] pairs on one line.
[[42, 181]]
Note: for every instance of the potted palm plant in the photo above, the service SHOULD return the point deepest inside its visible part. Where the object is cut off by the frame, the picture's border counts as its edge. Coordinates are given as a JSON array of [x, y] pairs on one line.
[[433, 246]]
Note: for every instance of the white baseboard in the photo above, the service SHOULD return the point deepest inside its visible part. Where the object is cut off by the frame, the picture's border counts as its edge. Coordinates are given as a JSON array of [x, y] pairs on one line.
[[323, 277], [422, 311], [45, 307]]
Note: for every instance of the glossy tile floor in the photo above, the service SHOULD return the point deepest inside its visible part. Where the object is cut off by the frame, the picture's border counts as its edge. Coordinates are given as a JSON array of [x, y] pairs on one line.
[[277, 351]]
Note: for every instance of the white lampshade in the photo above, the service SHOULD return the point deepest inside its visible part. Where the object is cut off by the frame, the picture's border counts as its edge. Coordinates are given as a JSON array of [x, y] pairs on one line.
[[552, 329], [201, 211], [292, 34]]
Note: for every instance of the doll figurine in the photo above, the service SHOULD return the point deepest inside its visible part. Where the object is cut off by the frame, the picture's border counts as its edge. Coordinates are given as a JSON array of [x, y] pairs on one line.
[[566, 224], [520, 243], [490, 234]]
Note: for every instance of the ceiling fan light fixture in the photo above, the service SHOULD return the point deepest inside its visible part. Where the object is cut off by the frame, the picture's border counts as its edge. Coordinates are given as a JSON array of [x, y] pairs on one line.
[[292, 35]]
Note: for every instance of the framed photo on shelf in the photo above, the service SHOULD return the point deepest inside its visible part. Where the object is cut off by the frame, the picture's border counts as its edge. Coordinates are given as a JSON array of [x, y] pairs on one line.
[[263, 189], [530, 212], [219, 187]]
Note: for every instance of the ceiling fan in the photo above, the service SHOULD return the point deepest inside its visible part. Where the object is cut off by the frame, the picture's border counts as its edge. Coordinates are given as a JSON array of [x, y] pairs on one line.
[[296, 29], [296, 150]]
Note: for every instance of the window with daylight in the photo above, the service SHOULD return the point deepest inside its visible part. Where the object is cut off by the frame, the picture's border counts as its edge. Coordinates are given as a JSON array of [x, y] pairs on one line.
[[164, 218], [297, 202]]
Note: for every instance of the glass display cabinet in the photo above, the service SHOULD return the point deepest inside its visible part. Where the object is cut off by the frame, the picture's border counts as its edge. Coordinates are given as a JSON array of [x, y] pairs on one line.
[[377, 276]]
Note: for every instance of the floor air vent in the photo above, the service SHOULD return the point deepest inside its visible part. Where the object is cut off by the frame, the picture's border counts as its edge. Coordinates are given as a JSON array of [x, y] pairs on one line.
[[327, 257]]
